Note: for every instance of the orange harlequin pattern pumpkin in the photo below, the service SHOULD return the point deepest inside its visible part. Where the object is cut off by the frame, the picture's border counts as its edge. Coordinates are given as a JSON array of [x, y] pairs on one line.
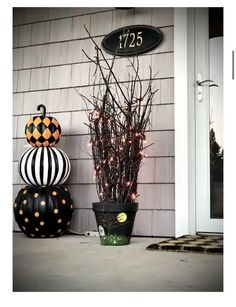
[[43, 131]]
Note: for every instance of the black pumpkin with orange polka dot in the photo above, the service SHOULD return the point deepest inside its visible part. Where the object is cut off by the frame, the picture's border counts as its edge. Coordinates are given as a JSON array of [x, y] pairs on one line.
[[42, 131], [43, 212]]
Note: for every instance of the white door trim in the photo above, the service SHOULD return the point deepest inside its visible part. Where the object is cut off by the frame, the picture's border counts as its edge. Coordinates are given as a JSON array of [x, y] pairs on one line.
[[181, 122], [184, 93]]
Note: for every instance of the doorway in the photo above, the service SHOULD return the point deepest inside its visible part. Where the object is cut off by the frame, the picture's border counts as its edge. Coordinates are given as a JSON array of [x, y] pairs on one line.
[[208, 42]]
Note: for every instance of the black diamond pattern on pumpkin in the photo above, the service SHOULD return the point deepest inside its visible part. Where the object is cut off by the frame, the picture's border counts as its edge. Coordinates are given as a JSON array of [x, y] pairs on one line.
[[52, 139], [52, 127], [41, 139], [41, 127], [32, 139], [30, 128]]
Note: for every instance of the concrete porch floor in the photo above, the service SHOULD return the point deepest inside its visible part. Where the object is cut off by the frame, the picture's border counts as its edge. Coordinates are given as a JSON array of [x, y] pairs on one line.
[[80, 263]]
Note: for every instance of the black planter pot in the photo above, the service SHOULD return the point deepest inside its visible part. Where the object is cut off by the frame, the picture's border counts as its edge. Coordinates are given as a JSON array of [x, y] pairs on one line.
[[115, 222]]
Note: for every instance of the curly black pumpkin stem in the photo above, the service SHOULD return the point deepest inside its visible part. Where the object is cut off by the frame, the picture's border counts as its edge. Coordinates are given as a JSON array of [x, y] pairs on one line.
[[42, 106]]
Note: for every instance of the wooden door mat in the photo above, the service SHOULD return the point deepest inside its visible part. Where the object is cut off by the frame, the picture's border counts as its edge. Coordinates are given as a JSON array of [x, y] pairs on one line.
[[191, 243]]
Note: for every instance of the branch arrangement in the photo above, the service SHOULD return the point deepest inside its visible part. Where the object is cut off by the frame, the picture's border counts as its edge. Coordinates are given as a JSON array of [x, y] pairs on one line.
[[118, 115]]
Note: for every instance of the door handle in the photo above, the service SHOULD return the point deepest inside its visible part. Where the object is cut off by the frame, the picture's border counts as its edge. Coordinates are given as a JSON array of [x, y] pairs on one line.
[[200, 84]]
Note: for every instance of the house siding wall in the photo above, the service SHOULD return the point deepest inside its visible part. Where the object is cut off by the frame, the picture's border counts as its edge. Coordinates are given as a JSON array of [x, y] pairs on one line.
[[48, 64]]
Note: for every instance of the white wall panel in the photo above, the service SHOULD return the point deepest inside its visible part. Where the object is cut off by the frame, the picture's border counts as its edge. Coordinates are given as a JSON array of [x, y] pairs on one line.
[[167, 195], [32, 56], [163, 65], [143, 223], [76, 147], [23, 80], [31, 101], [164, 170], [81, 172], [167, 90], [162, 17], [89, 48], [74, 51], [98, 26], [80, 74], [39, 78], [62, 12], [14, 126], [163, 223], [53, 83], [156, 196], [18, 15], [40, 32], [16, 31], [122, 18], [61, 29], [150, 196], [60, 76], [77, 123], [78, 29], [75, 101], [162, 117], [58, 53], [83, 195], [142, 16], [56, 100], [18, 58], [163, 143], [18, 100], [147, 171], [24, 35], [15, 81], [34, 14]]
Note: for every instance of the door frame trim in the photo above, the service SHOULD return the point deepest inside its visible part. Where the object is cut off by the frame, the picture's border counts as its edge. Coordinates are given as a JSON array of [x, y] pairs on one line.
[[184, 92]]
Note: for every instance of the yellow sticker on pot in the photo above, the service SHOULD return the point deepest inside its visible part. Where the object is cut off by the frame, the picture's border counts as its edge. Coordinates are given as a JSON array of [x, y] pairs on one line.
[[121, 217]]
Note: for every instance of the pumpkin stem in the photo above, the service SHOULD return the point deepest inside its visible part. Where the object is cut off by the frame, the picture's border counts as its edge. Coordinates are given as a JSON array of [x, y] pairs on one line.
[[43, 107]]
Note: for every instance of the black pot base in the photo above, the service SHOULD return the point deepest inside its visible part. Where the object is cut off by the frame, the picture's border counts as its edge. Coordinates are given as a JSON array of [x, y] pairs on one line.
[[115, 222]]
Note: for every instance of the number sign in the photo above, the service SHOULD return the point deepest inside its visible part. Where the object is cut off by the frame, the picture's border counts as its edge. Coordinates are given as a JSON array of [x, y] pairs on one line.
[[132, 40]]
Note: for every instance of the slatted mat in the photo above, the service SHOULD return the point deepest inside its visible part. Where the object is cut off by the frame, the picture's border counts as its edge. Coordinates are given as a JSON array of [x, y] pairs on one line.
[[212, 244]]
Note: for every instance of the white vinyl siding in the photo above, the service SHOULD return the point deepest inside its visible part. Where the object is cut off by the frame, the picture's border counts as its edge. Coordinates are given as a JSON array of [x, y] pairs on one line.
[[49, 64]]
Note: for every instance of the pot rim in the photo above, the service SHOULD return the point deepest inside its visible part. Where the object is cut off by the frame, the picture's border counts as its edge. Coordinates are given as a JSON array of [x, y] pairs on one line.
[[114, 207]]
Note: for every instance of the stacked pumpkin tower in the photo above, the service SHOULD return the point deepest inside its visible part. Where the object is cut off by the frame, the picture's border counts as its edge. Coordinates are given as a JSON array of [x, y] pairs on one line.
[[44, 207]]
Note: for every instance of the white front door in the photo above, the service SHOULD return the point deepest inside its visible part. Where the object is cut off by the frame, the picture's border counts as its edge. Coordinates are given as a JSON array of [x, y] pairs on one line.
[[209, 119]]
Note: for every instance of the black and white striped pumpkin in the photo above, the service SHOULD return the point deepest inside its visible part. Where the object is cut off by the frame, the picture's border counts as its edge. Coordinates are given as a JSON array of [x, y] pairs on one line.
[[44, 166]]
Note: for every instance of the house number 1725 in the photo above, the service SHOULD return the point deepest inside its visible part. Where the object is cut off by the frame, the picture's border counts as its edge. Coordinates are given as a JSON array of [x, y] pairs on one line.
[[130, 39]]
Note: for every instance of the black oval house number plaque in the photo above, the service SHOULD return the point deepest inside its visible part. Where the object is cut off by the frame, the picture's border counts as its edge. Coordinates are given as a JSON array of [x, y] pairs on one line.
[[132, 40]]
